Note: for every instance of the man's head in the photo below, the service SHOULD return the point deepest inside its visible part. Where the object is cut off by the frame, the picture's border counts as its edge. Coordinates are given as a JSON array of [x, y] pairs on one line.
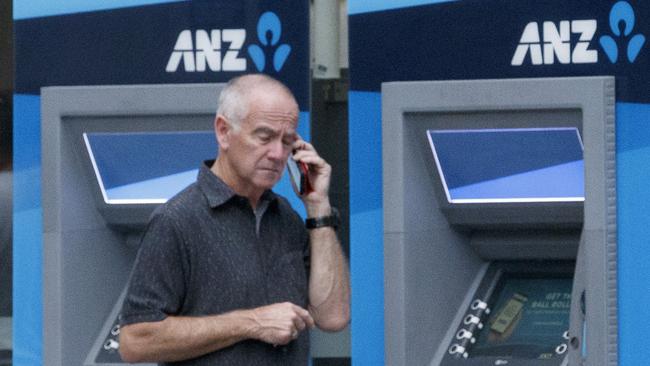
[[256, 128]]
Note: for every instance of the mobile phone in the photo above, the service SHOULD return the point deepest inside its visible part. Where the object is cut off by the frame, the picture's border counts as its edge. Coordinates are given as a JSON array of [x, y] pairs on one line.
[[298, 171]]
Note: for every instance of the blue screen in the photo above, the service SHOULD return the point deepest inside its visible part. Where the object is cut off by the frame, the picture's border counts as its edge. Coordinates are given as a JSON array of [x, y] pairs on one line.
[[147, 167], [509, 165]]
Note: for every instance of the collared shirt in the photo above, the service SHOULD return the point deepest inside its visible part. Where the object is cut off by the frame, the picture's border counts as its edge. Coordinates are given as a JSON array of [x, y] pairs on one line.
[[207, 252]]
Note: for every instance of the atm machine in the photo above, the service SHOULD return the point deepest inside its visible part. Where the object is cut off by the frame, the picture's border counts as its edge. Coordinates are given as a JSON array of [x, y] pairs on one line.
[[499, 204], [111, 155]]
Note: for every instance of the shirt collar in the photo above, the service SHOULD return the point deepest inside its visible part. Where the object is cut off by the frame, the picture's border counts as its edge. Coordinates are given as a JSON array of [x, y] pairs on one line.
[[217, 191]]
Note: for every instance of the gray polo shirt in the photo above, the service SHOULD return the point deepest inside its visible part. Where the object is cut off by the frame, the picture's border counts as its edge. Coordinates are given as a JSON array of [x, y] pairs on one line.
[[207, 252]]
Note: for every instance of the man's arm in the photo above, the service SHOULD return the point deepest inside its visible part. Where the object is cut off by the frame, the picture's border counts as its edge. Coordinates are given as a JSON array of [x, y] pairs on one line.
[[329, 287], [179, 338], [329, 280]]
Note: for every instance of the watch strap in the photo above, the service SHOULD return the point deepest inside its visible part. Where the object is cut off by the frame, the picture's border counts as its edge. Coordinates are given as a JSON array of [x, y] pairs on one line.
[[331, 220]]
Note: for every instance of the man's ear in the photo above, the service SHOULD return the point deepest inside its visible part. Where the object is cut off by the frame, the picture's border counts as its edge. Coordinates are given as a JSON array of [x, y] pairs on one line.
[[223, 130]]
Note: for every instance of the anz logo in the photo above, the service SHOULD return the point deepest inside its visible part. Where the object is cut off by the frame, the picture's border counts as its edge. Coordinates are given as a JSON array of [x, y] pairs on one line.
[[200, 51], [556, 43], [569, 41], [206, 51]]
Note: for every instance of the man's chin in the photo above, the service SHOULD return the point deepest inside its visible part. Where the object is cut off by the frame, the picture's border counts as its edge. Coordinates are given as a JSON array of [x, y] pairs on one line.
[[268, 180]]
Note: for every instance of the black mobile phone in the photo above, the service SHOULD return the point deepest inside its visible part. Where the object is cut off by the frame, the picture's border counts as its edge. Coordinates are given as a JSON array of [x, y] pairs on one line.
[[298, 173]]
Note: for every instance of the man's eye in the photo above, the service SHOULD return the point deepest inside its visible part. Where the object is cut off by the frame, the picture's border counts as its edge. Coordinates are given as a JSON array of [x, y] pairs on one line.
[[264, 137]]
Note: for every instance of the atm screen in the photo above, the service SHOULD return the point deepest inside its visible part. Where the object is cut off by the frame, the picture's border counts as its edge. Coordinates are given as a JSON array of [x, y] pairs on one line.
[[528, 320], [147, 167], [509, 165]]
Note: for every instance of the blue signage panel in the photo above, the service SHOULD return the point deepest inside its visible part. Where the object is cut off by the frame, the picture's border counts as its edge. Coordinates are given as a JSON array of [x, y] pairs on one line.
[[504, 39], [180, 42]]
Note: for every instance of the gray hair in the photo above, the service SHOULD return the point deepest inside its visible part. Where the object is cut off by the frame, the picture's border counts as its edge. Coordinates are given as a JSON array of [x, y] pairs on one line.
[[234, 99]]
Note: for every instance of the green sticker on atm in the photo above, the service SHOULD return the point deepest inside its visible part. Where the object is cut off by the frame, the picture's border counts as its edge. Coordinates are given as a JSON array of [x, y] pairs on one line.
[[508, 315]]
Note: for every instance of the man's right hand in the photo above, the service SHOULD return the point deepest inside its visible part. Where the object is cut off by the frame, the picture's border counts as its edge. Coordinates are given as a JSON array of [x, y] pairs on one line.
[[279, 324]]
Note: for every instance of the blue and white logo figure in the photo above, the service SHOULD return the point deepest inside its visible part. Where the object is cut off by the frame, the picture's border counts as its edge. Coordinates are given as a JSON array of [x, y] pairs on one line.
[[622, 16], [269, 30]]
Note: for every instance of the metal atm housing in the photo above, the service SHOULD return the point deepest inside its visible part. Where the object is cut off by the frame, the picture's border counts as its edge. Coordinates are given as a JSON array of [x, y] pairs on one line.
[[89, 244], [448, 262]]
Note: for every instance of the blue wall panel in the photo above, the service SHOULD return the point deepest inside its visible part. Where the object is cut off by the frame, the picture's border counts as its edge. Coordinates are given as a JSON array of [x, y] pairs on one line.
[[633, 175], [24, 9], [27, 239], [366, 229], [366, 6]]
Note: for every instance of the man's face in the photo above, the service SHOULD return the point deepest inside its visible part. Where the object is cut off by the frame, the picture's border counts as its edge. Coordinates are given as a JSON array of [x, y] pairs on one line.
[[258, 151]]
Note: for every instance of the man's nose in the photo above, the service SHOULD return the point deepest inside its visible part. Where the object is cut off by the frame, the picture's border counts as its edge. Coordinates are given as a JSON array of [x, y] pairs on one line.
[[277, 151]]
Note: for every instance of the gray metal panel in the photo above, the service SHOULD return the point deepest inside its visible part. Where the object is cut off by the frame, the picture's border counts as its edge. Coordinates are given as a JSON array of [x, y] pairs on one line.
[[432, 273], [112, 108], [526, 244], [415, 234], [460, 314], [395, 309], [590, 102], [86, 263]]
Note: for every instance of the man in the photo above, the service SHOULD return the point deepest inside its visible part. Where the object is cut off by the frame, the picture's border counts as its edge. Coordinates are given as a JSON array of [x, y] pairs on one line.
[[227, 273]]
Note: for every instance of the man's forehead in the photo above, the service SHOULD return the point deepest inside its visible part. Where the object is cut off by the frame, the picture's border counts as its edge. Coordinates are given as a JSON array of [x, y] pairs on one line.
[[273, 108], [273, 121]]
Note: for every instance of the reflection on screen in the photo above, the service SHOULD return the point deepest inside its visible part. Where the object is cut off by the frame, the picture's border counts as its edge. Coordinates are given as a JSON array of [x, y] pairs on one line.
[[147, 167], [509, 165], [528, 320]]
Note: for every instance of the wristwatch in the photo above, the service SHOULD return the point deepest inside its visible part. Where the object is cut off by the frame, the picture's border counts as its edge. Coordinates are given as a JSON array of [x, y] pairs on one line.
[[333, 220]]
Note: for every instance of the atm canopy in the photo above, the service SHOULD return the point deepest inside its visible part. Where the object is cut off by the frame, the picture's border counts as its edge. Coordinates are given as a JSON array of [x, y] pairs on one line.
[[509, 165], [147, 167]]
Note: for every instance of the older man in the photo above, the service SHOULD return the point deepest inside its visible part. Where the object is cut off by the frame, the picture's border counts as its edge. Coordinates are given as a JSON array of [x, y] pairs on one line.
[[227, 272]]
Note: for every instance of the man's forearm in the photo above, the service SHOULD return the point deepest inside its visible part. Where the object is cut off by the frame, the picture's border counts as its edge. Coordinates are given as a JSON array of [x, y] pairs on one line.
[[329, 284], [179, 338]]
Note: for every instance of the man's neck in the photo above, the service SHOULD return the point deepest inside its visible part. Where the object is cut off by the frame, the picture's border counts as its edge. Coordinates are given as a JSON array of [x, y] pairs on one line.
[[221, 169]]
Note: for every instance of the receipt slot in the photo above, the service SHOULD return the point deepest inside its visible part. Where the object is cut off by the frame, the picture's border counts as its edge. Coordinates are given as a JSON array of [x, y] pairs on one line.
[[499, 204], [110, 156]]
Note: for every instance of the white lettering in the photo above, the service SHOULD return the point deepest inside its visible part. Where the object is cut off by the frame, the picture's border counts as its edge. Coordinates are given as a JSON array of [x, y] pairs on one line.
[[182, 50], [205, 52], [529, 42], [231, 62], [581, 53], [208, 50], [556, 43]]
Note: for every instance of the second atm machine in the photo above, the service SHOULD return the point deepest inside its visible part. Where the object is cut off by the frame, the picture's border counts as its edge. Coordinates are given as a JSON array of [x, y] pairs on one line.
[[500, 222]]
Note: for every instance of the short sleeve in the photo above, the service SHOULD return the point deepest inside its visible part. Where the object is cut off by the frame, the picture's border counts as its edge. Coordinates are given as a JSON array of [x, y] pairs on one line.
[[157, 284]]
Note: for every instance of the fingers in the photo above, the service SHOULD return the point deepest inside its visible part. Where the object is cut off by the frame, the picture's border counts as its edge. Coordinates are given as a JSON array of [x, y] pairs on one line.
[[282, 323], [305, 318], [306, 153], [301, 144]]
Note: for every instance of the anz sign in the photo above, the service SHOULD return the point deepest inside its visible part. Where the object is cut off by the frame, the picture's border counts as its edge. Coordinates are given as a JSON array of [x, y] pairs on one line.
[[573, 41], [200, 50]]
